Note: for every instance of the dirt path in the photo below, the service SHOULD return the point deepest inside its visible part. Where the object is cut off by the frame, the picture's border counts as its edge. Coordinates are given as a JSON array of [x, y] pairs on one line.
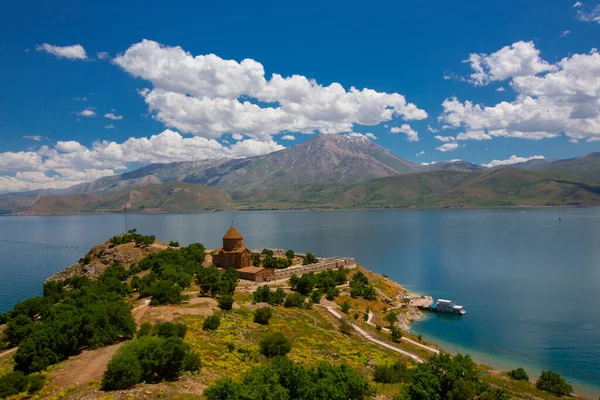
[[8, 352], [86, 366], [431, 349], [366, 335]]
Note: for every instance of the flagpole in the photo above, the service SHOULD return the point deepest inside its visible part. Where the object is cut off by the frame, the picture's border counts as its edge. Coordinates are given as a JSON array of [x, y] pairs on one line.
[[125, 210]]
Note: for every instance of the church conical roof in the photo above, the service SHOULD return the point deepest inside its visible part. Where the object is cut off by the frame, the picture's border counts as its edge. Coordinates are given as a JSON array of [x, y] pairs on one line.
[[233, 233]]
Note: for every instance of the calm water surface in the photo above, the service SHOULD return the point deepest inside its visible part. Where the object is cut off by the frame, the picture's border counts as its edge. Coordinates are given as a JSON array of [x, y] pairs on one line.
[[529, 281]]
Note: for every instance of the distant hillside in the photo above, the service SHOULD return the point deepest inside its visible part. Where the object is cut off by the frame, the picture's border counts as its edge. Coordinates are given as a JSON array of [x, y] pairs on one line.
[[505, 187], [585, 167], [170, 197]]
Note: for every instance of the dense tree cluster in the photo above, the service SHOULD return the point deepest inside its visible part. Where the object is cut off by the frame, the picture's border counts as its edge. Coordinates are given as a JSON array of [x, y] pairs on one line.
[[263, 294], [359, 287], [326, 281], [270, 261], [17, 382], [214, 282], [392, 373], [285, 380], [150, 359], [51, 328], [552, 382], [445, 377], [133, 236], [171, 271]]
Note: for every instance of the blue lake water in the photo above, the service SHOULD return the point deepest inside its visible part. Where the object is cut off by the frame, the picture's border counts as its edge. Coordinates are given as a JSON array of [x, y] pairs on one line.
[[529, 281]]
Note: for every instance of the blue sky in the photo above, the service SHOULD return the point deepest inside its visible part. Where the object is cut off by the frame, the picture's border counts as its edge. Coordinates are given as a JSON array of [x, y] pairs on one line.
[[540, 52]]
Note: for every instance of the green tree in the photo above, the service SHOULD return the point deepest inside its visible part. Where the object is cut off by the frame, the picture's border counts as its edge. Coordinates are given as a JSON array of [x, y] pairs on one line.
[[294, 300], [276, 297], [394, 373], [310, 259], [552, 382], [211, 323], [123, 371], [12, 383], [226, 302], [391, 318], [395, 334], [208, 280], [275, 345], [262, 315], [345, 307], [290, 254], [518, 374]]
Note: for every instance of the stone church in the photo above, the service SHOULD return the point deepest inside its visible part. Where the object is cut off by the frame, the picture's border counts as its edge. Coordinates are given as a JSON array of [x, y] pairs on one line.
[[233, 254]]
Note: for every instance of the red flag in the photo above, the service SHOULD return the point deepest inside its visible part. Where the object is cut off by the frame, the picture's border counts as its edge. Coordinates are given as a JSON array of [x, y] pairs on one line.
[[125, 208]]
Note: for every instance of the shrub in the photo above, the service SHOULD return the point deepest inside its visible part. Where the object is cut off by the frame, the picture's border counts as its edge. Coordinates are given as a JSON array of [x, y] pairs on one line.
[[290, 254], [366, 316], [315, 296], [261, 294], [518, 374], [284, 379], [123, 371], [345, 326], [151, 360], [378, 327], [168, 329], [12, 383], [356, 314], [332, 293], [345, 307], [277, 297], [226, 302], [191, 362], [173, 243], [394, 373], [275, 345], [310, 259], [395, 334], [262, 315], [145, 330], [294, 300], [391, 318], [36, 383], [552, 382], [211, 323]]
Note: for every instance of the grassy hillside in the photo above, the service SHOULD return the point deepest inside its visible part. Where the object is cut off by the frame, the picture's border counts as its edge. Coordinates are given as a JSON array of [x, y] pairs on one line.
[[172, 196], [436, 189]]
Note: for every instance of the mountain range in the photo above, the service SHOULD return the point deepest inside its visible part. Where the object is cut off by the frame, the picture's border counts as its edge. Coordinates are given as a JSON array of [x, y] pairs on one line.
[[325, 171]]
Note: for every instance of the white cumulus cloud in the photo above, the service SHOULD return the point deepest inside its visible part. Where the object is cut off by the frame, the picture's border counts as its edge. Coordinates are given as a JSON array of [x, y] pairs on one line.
[[447, 147], [88, 112], [411, 134], [519, 59], [288, 137], [512, 160], [208, 96], [550, 99], [74, 52], [445, 139], [113, 116]]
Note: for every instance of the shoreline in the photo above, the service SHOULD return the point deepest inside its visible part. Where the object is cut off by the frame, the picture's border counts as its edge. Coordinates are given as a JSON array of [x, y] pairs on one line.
[[309, 209]]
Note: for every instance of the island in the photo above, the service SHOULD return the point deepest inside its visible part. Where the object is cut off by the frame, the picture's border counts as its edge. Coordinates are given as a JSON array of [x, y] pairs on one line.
[[137, 318]]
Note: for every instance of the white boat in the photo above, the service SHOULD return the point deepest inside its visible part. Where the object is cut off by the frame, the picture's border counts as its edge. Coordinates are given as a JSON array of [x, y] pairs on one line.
[[447, 306]]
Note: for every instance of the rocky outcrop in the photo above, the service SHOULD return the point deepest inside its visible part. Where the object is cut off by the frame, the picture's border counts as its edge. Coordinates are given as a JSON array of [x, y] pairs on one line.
[[95, 261]]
